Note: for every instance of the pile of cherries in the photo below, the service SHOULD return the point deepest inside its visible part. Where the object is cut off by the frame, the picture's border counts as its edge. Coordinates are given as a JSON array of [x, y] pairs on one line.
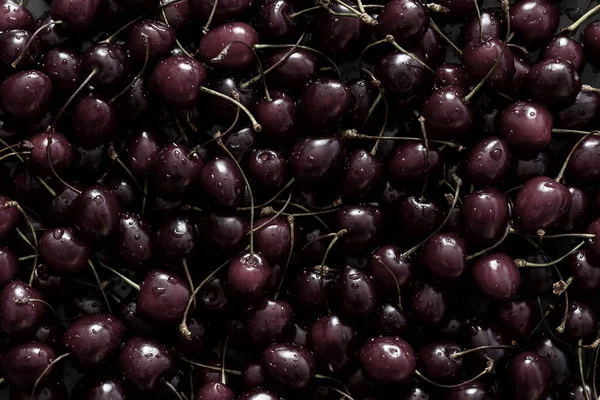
[[298, 199]]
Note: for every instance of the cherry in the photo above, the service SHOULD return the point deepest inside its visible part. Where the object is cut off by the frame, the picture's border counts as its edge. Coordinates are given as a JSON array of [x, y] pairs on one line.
[[143, 149], [527, 126], [136, 103], [258, 394], [99, 389], [15, 54], [51, 35], [23, 363], [402, 75], [541, 83], [443, 256], [224, 232], [273, 21], [64, 251], [112, 66], [451, 74], [93, 338], [289, 366], [175, 170], [580, 209], [542, 203], [405, 20], [278, 117], [589, 39], [222, 182], [518, 316], [484, 216], [333, 343], [26, 95], [447, 115], [9, 218], [240, 143], [410, 164], [145, 363], [96, 212], [496, 276], [389, 320], [435, 361], [272, 240], [434, 47], [9, 265], [480, 55], [356, 293], [566, 48], [580, 322], [294, 71], [363, 94], [323, 102], [317, 160], [534, 21], [156, 36], [21, 308], [94, 121], [490, 25], [430, 304], [135, 241], [388, 360], [63, 67], [417, 217], [237, 38], [269, 320], [308, 294], [77, 16], [362, 174], [388, 262], [214, 391], [335, 35], [481, 333], [177, 80], [581, 165], [363, 224], [51, 286], [15, 16], [476, 390], [582, 114], [248, 275], [163, 297], [557, 357], [253, 375], [176, 238], [530, 376], [522, 68]]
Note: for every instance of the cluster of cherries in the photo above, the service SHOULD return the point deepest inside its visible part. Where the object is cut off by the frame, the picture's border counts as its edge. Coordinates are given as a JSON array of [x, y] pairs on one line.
[[294, 199]]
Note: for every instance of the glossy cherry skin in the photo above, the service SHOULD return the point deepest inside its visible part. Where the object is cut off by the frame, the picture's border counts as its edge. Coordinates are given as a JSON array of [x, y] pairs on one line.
[[581, 167], [402, 75], [484, 216], [388, 260], [26, 95], [527, 126], [333, 342], [9, 218], [481, 333], [580, 115], [269, 320], [17, 315], [214, 391], [530, 376], [145, 362], [176, 80], [364, 224], [581, 320], [289, 366], [295, 71], [156, 35], [476, 390], [491, 24], [176, 15], [96, 212], [94, 121], [418, 216], [77, 16], [278, 117], [335, 35], [222, 182], [63, 67], [93, 338], [480, 55], [405, 20], [451, 74], [362, 174], [356, 293], [542, 203], [496, 276], [64, 251], [175, 170], [100, 389], [112, 64], [389, 320], [446, 114], [518, 317], [430, 304], [317, 160], [436, 363], [258, 394], [248, 276], [12, 45], [15, 16], [408, 163], [224, 232], [589, 39], [272, 240], [534, 21], [388, 360], [580, 209], [557, 356], [542, 82], [23, 363], [323, 102], [135, 241], [142, 151], [176, 238], [238, 57], [443, 256], [9, 265], [273, 21], [163, 297], [307, 289], [566, 48]]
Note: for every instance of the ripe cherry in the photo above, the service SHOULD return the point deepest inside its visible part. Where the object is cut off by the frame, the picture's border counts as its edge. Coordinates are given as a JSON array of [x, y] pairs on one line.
[[26, 95], [356, 293], [541, 82], [23, 363], [21, 308], [530, 376], [177, 80], [96, 212], [480, 55], [222, 182], [534, 21], [163, 297], [289, 366], [435, 361], [447, 115], [323, 102], [496, 276], [526, 125], [484, 216], [269, 321], [248, 276], [566, 48], [157, 36], [490, 25], [318, 160], [145, 363], [405, 20], [239, 56], [64, 251], [388, 360]]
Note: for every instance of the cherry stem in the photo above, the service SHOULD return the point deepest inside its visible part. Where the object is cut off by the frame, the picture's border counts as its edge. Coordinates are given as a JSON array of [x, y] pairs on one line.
[[580, 364], [541, 321], [272, 199], [127, 25], [523, 263], [46, 370], [493, 246], [487, 370], [446, 38], [329, 378], [210, 18], [210, 367], [172, 389], [337, 236], [33, 234], [267, 211], [233, 124], [308, 213], [289, 257], [278, 63], [294, 15], [183, 326], [99, 283], [186, 270], [589, 88], [285, 46], [120, 275], [31, 39], [479, 19], [458, 182], [112, 154], [575, 131], [520, 48], [338, 391], [380, 261], [15, 153], [353, 134], [408, 53], [581, 20], [139, 75], [427, 157], [325, 236], [223, 378], [564, 166], [458, 354], [255, 125], [50, 131], [25, 300], [561, 235]]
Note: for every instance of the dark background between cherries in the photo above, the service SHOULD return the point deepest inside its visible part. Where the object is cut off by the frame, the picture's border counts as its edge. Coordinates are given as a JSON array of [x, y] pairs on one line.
[[448, 312]]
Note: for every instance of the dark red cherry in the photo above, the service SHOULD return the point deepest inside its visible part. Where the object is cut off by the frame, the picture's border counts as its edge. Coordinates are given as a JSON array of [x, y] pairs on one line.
[[295, 71], [317, 160], [145, 363], [526, 125], [96, 212], [135, 241], [481, 333], [484, 216], [248, 276], [52, 35], [307, 289], [364, 225], [388, 360], [323, 103], [224, 232], [479, 56], [214, 391], [21, 364], [417, 217], [363, 94], [542, 203], [458, 8], [582, 164], [59, 211], [451, 74], [267, 168], [496, 276], [163, 297], [356, 293], [443, 256], [239, 57], [9, 265], [577, 391], [447, 115], [176, 15], [529, 376], [388, 267], [143, 150], [272, 240], [224, 10], [434, 47], [566, 48], [18, 314], [582, 114], [401, 75], [289, 366], [488, 161], [63, 67], [101, 389], [278, 117], [580, 209], [273, 20], [253, 375], [26, 95], [580, 322], [333, 342], [476, 390], [64, 251], [156, 36], [176, 238], [491, 24], [337, 36], [405, 20], [12, 45], [557, 356], [195, 344], [95, 121], [269, 321], [436, 363], [15, 16], [93, 338], [389, 320], [430, 304], [258, 394], [175, 170], [78, 16], [9, 218], [408, 163], [518, 317], [589, 39], [176, 80], [222, 183], [553, 82], [362, 174], [534, 21], [112, 66]]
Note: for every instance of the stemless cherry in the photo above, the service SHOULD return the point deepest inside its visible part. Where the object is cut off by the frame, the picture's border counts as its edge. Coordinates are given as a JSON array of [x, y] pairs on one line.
[[388, 360], [447, 115], [26, 95], [557, 356], [530, 376], [177, 80], [534, 21], [248, 276], [94, 121], [496, 276], [405, 20], [430, 303], [63, 67], [9, 265], [96, 212], [269, 320], [145, 363], [317, 160], [553, 82], [526, 125], [21, 364], [417, 217], [518, 316], [163, 297], [484, 216], [443, 256], [222, 182], [323, 102], [64, 251], [582, 164], [409, 163], [566, 48], [290, 366], [135, 241], [335, 35], [356, 293], [589, 39]]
